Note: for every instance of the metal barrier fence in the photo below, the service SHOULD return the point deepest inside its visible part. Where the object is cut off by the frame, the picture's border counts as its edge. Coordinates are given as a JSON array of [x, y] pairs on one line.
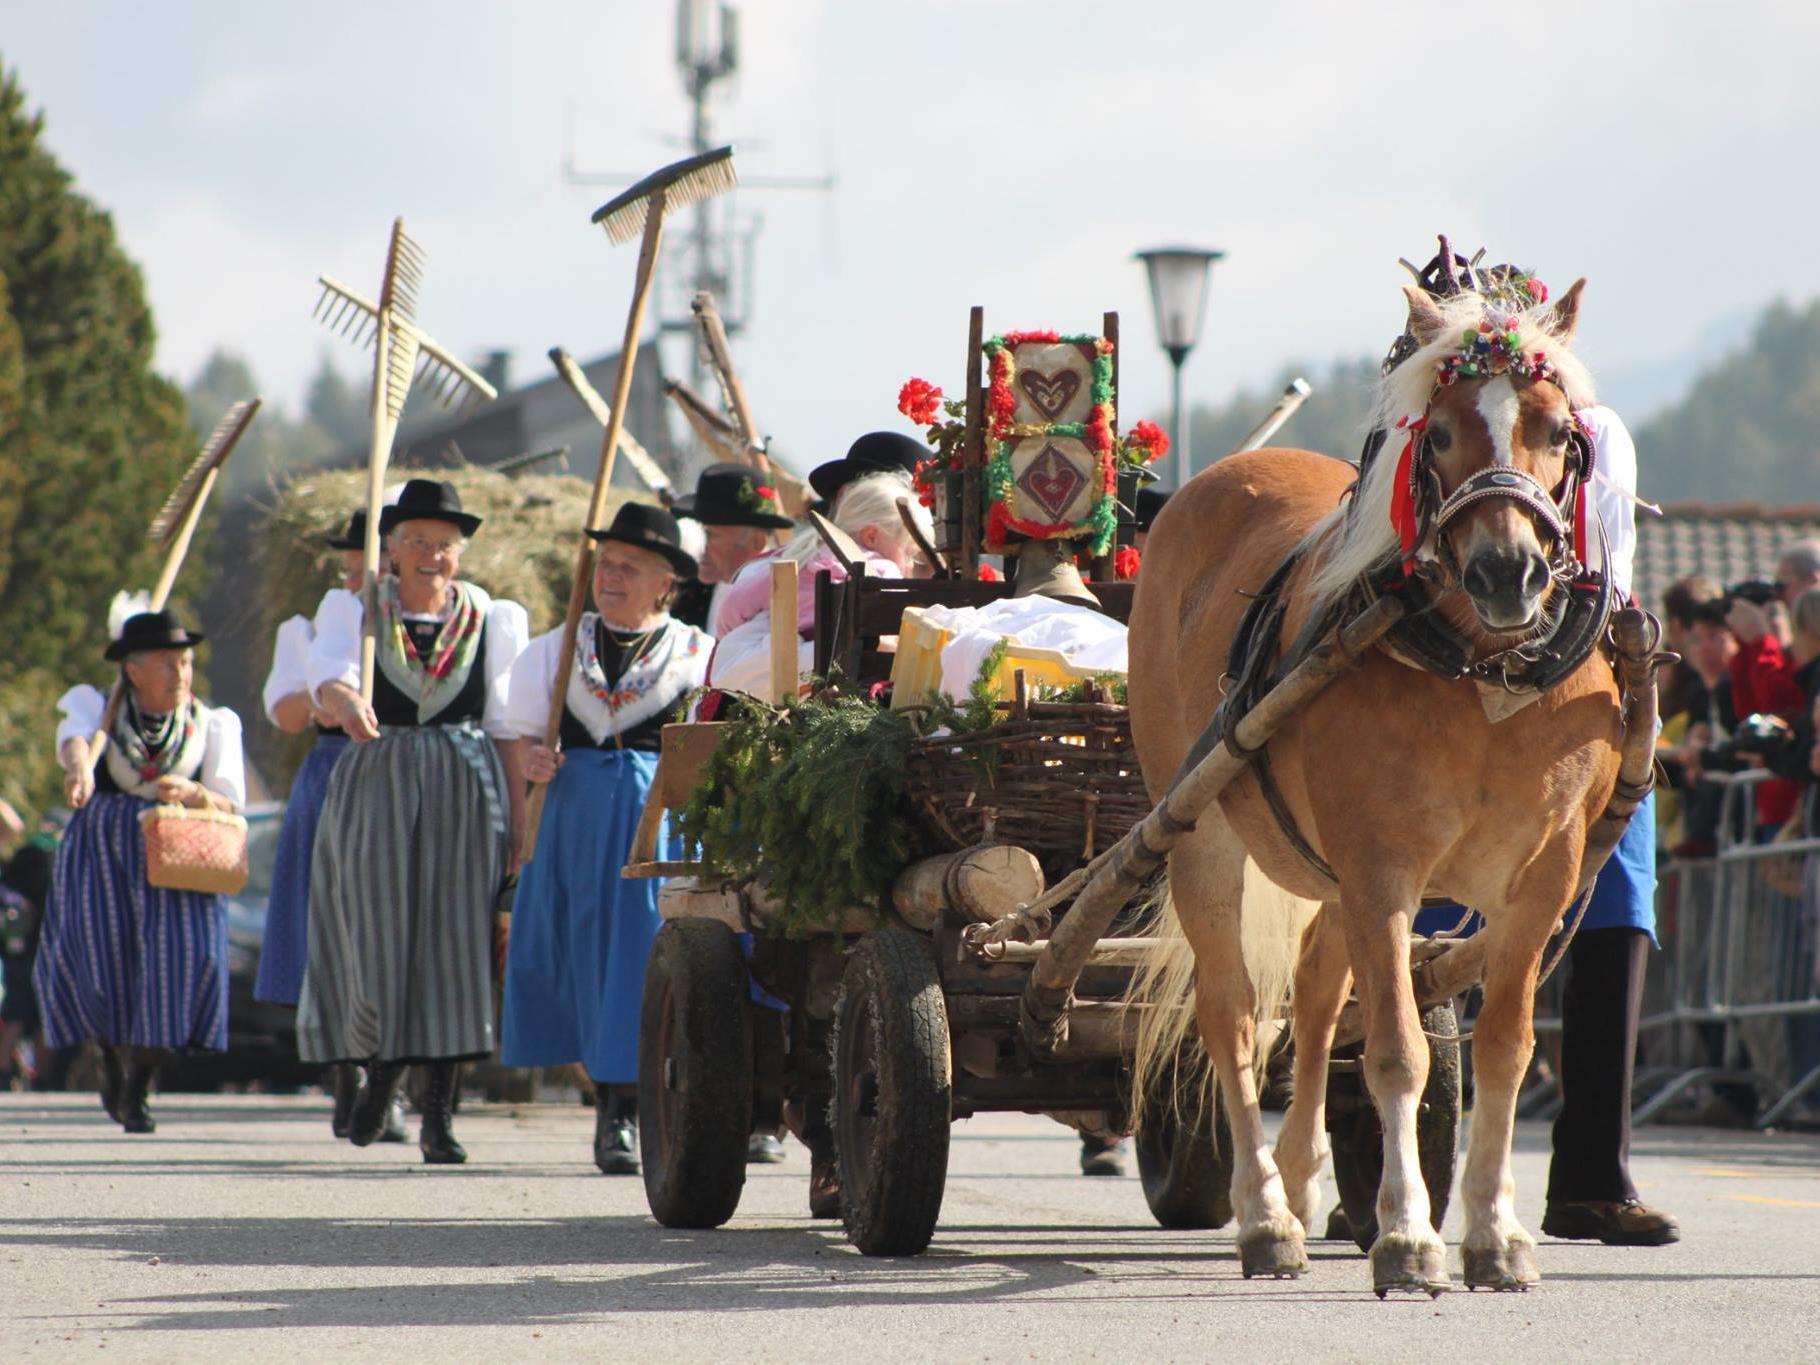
[[1731, 1004]]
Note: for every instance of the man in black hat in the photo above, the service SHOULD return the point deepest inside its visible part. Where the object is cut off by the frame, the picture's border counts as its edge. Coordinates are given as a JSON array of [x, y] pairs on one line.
[[738, 510]]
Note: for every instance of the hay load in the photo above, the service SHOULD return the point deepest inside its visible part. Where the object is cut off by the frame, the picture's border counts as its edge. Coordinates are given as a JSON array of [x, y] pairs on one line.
[[525, 551]]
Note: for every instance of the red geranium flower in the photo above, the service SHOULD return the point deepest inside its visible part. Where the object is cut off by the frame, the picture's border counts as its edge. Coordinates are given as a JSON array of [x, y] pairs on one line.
[[988, 574], [1152, 438], [1537, 290], [766, 492], [920, 401], [1126, 562]]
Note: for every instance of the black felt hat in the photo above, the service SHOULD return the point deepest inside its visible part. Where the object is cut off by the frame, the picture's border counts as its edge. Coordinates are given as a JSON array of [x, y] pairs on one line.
[[428, 500], [877, 452], [727, 495], [650, 528], [1149, 502], [151, 630], [354, 538]]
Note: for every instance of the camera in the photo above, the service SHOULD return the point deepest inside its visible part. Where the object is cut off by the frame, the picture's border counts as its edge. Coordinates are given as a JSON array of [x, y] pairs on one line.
[[1765, 736]]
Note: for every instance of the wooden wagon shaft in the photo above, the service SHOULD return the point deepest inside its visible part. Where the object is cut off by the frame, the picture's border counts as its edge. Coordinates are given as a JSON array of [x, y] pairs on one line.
[[1128, 864]]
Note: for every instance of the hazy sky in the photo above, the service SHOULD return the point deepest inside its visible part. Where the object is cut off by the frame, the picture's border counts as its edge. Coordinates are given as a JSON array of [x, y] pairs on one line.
[[1004, 154]]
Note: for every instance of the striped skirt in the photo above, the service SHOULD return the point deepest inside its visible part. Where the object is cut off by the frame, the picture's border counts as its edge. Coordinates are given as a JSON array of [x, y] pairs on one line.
[[581, 933], [281, 955], [407, 868], [122, 961]]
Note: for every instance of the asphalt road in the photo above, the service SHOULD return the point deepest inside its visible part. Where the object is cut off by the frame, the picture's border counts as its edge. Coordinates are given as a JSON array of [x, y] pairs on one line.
[[242, 1230]]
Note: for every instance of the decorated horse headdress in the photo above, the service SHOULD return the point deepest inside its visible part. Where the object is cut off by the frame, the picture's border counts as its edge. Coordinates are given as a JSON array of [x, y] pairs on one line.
[[1493, 322]]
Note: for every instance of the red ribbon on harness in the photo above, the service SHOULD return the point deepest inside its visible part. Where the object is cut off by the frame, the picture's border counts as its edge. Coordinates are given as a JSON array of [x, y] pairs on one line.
[[1403, 495]]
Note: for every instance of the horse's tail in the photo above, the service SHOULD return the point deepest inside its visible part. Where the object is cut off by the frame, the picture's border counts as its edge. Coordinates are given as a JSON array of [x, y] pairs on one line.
[[1171, 1070]]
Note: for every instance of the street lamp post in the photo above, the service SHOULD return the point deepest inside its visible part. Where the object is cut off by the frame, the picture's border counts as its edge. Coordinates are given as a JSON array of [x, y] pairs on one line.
[[1178, 294]]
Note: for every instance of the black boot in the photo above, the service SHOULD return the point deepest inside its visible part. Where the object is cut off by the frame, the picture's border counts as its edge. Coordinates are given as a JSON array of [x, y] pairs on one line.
[[615, 1139], [373, 1102], [111, 1070], [135, 1086], [436, 1137], [346, 1080]]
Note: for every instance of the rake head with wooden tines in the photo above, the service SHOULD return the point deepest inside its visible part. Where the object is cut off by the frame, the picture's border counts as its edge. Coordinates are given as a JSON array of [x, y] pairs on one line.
[[214, 454], [682, 182], [414, 359]]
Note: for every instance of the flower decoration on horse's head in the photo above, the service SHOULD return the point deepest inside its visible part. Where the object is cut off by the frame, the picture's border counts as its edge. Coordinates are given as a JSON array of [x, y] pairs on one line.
[[758, 497], [1495, 347]]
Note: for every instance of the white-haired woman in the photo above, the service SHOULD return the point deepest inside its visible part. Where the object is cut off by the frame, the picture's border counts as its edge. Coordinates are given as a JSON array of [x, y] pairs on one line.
[[867, 510], [581, 934], [421, 824], [140, 969]]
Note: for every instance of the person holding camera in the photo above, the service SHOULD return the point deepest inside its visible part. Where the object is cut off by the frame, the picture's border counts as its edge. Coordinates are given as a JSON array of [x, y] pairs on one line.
[[1763, 673]]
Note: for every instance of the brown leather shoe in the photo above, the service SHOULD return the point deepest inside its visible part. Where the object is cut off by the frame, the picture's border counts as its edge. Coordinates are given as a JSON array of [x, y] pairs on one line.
[[1617, 1223]]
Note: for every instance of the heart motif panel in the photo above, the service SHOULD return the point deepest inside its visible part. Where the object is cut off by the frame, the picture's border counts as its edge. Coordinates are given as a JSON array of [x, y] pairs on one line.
[[1054, 382]]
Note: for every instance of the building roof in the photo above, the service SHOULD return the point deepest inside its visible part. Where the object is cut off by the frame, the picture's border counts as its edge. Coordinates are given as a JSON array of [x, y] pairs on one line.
[[1727, 541]]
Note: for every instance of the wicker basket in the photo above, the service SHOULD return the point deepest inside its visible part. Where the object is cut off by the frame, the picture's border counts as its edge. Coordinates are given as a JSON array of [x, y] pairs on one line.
[[1060, 779], [194, 850]]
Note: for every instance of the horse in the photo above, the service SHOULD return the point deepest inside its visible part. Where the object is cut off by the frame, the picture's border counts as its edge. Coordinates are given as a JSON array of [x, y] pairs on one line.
[[1398, 781]]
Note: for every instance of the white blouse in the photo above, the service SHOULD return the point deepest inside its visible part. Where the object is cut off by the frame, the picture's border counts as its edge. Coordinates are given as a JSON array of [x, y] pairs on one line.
[[335, 653], [290, 664], [534, 678], [1614, 490], [223, 760]]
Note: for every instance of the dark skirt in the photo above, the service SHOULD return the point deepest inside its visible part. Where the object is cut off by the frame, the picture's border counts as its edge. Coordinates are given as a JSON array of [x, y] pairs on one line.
[[281, 955], [122, 961], [406, 871]]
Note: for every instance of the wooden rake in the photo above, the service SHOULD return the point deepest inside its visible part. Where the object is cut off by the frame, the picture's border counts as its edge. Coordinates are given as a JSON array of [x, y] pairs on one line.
[[640, 459], [404, 356], [174, 528], [637, 212]]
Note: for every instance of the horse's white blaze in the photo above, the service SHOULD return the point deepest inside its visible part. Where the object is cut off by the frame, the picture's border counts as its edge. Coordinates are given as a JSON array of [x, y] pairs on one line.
[[1498, 405]]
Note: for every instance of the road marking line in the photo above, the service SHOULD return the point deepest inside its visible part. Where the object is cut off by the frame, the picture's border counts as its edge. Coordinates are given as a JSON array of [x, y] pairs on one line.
[[1771, 1199]]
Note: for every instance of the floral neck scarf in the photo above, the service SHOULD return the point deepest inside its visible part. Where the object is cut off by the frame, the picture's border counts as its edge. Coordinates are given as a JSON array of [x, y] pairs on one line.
[[144, 748], [653, 679], [435, 678]]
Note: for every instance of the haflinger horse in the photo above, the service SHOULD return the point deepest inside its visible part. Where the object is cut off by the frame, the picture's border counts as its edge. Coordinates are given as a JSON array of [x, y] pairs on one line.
[[1397, 781]]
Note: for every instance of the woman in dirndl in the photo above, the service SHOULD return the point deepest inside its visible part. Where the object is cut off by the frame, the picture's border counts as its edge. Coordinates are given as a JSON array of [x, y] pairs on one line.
[[419, 828], [140, 969], [581, 934], [289, 706]]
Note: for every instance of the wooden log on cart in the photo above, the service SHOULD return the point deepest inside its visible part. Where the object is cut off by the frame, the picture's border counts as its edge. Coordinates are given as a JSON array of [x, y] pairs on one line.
[[743, 908], [1128, 864], [983, 883]]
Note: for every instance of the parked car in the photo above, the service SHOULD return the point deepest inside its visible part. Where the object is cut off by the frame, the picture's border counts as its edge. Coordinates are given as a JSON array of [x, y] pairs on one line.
[[262, 1038]]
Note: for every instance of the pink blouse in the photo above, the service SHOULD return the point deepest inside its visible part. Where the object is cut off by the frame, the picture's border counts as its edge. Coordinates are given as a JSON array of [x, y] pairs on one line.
[[750, 591]]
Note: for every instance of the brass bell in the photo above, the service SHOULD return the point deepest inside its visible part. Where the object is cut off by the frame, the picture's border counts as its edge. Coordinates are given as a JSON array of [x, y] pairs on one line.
[[1046, 568]]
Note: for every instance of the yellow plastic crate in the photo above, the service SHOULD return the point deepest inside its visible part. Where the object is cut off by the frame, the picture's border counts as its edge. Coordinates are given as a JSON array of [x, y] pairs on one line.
[[916, 670]]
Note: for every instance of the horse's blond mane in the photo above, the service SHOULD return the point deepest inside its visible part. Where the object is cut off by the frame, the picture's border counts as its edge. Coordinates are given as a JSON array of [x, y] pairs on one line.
[[1353, 548]]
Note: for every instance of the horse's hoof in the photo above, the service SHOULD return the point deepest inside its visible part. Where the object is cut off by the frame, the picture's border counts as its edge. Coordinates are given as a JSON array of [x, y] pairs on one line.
[[1268, 1251], [1401, 1264], [1507, 1268]]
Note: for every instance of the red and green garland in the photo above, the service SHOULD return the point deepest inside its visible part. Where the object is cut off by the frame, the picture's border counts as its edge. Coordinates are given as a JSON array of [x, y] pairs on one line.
[[924, 404]]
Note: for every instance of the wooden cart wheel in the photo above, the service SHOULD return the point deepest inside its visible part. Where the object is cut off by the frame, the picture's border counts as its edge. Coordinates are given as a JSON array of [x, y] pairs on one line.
[[893, 1091], [1184, 1156], [1358, 1137], [694, 1074]]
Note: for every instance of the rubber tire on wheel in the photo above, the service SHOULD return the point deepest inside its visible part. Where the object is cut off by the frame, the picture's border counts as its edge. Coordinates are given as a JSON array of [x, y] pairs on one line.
[[1358, 1147], [1185, 1169], [893, 1093], [694, 1074]]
